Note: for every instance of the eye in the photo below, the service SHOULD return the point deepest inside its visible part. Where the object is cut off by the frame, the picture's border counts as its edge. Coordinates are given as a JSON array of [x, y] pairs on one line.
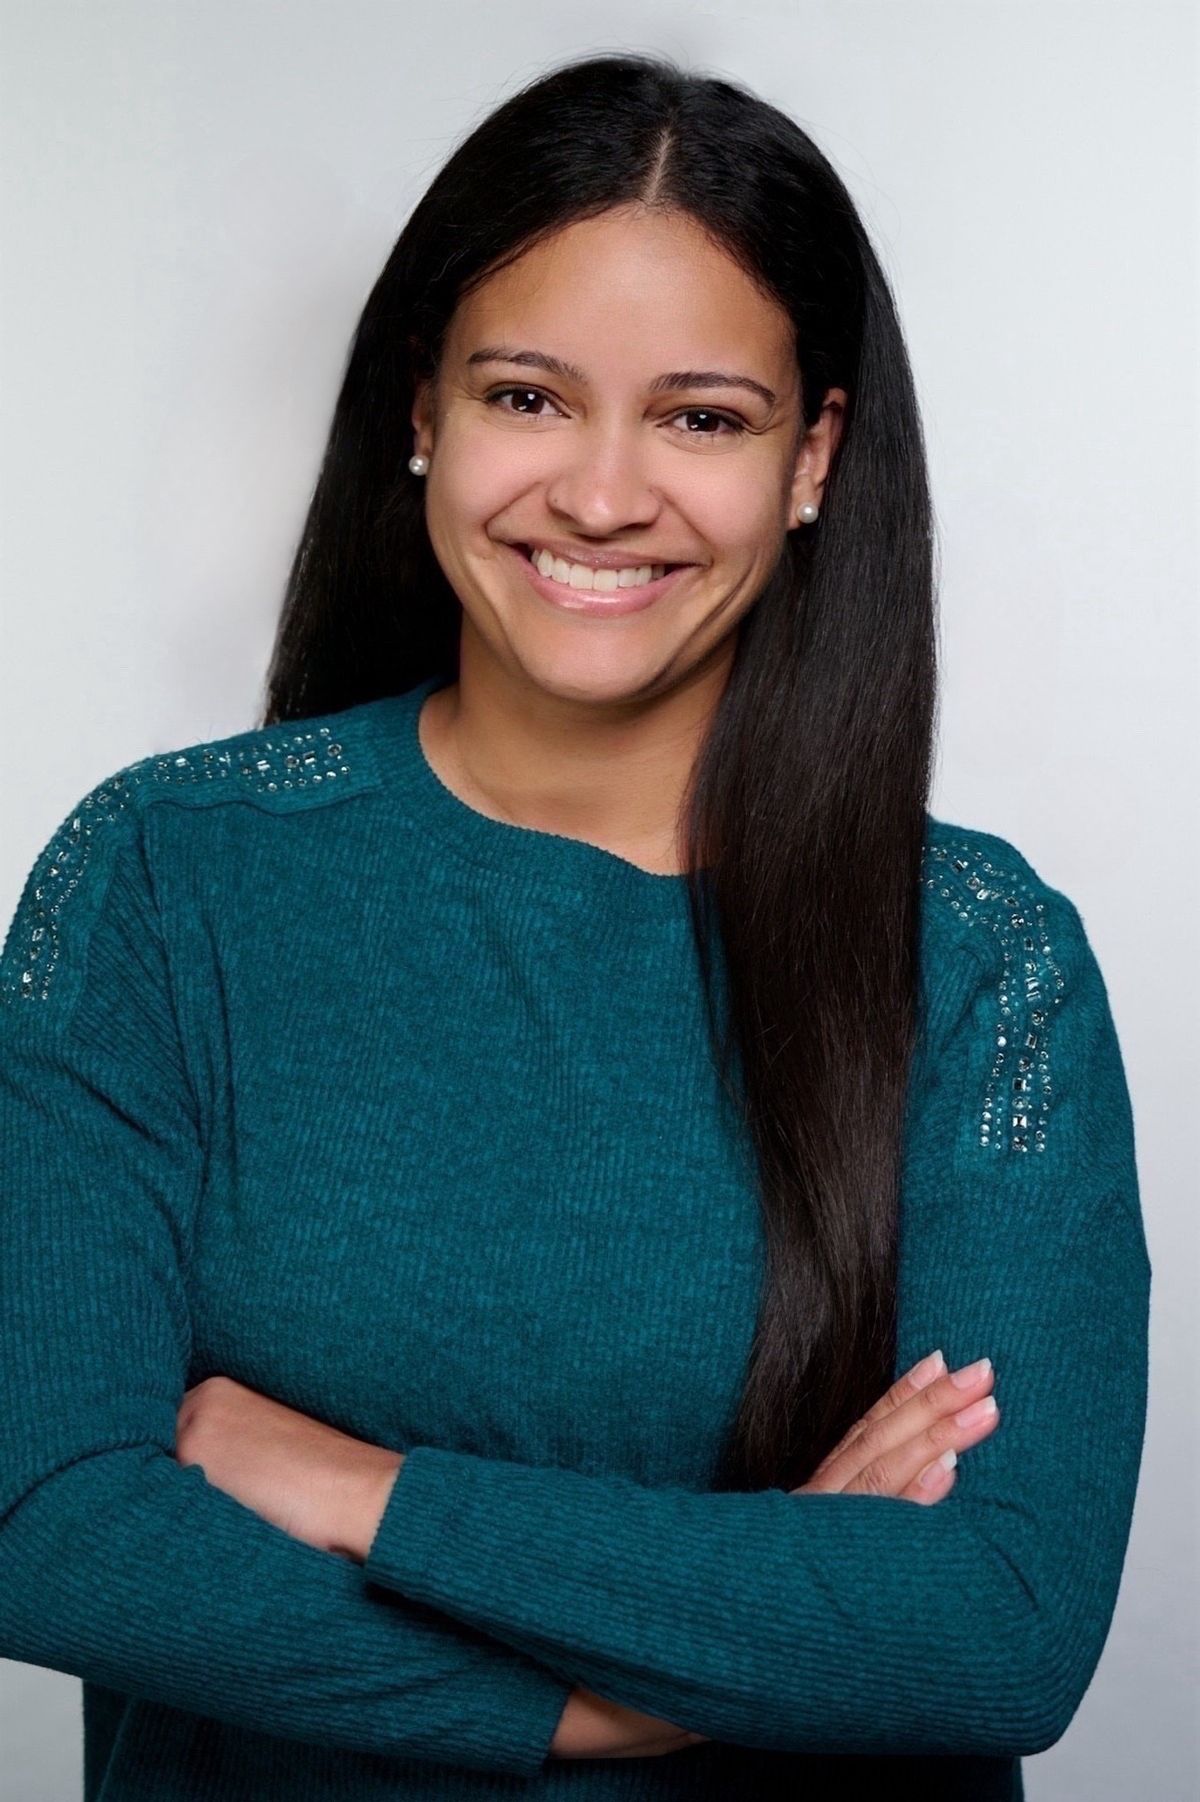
[[731, 420], [733, 425], [498, 394]]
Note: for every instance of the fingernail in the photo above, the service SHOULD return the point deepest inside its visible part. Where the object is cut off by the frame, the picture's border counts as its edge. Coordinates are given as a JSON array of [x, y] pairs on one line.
[[933, 1473], [971, 1373], [977, 1413], [922, 1374]]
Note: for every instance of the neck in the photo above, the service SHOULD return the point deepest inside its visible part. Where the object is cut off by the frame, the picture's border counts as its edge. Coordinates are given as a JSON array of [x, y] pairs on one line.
[[614, 774]]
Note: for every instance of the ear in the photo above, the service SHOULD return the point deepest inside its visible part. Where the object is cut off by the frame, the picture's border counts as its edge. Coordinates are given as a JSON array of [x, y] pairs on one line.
[[817, 450], [422, 416]]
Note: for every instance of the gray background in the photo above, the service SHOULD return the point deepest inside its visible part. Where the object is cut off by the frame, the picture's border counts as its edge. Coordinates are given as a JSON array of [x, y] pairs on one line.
[[195, 201]]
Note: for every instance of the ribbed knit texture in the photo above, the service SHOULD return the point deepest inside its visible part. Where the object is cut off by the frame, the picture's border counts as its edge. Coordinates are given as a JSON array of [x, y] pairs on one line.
[[314, 1076]]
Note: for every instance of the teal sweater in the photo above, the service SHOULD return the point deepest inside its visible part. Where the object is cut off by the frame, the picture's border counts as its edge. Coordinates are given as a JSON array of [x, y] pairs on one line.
[[314, 1076]]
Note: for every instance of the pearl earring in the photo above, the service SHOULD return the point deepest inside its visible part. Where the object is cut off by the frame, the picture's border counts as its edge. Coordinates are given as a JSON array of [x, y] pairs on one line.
[[807, 513], [418, 464]]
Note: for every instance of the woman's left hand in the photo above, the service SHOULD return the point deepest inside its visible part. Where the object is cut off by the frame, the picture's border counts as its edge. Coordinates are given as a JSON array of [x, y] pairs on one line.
[[318, 1484]]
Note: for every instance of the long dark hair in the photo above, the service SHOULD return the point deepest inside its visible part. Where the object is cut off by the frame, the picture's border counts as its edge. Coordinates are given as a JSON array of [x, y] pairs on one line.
[[806, 811]]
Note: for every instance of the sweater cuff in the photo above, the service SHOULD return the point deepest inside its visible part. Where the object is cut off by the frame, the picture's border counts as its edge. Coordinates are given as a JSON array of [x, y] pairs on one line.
[[420, 1511], [421, 1507]]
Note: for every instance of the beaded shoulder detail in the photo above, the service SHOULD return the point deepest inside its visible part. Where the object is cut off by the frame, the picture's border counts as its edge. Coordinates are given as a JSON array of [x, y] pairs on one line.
[[298, 764], [993, 890]]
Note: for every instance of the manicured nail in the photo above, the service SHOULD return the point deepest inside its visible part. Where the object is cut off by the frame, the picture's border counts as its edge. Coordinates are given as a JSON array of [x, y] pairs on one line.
[[971, 1373], [977, 1413], [933, 1473], [922, 1374]]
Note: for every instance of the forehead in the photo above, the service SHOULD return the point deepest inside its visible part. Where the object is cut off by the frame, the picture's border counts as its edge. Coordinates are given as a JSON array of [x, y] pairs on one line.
[[625, 291]]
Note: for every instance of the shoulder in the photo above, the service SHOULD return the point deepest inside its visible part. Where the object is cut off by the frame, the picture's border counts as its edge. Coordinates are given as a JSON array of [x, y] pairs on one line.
[[982, 897], [981, 891], [1017, 1008], [296, 766]]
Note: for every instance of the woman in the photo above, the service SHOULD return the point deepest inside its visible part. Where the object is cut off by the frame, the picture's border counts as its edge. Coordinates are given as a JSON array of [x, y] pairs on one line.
[[527, 1169]]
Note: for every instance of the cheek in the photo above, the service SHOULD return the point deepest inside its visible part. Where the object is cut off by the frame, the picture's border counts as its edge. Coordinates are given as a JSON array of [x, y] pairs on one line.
[[471, 492], [738, 520], [478, 474]]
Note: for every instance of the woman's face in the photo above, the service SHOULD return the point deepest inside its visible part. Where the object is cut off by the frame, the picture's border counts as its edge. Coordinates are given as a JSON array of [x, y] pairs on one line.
[[616, 454]]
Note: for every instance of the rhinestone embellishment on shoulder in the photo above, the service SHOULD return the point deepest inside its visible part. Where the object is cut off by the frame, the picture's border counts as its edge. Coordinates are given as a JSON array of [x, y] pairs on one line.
[[268, 762], [1015, 1107]]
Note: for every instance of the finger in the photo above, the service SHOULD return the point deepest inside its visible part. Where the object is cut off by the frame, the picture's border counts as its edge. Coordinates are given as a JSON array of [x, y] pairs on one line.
[[898, 1471], [927, 1417], [926, 1372], [914, 1399], [935, 1481]]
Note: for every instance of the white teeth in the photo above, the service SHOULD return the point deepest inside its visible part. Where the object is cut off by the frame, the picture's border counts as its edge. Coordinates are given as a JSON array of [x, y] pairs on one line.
[[580, 575]]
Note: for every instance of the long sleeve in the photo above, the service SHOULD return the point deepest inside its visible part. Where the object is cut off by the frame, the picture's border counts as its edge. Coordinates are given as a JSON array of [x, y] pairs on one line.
[[117, 1564], [850, 1623]]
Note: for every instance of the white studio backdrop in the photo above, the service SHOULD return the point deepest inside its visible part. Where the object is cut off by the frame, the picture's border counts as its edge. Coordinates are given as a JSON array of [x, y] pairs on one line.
[[194, 202]]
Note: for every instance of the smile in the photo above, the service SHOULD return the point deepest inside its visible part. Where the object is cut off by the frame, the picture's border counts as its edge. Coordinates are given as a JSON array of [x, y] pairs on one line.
[[608, 592]]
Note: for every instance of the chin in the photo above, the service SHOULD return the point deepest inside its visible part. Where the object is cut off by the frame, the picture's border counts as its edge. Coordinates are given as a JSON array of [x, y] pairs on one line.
[[590, 681]]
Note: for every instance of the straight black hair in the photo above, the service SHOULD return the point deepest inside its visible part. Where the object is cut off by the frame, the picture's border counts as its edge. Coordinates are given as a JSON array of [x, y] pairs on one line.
[[806, 812]]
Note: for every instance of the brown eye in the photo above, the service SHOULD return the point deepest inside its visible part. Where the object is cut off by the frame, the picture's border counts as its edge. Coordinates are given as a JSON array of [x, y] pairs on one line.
[[736, 425], [533, 394]]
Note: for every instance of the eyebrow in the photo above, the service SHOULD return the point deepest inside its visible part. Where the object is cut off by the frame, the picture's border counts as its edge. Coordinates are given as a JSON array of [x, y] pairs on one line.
[[675, 379]]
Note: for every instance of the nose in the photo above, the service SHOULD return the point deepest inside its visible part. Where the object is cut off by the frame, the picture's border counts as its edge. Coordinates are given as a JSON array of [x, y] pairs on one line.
[[600, 487]]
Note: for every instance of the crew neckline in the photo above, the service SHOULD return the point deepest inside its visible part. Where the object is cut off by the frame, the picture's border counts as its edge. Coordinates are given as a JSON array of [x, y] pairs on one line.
[[526, 853]]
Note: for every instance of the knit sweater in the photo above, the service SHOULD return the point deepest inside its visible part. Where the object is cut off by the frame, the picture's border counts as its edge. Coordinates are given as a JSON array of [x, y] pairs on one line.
[[314, 1076]]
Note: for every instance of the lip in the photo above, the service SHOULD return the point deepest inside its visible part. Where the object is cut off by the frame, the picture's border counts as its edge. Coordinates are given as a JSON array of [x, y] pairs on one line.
[[589, 600]]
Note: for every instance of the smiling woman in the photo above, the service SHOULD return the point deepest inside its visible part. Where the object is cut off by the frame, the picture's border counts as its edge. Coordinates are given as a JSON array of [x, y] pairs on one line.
[[526, 1166]]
